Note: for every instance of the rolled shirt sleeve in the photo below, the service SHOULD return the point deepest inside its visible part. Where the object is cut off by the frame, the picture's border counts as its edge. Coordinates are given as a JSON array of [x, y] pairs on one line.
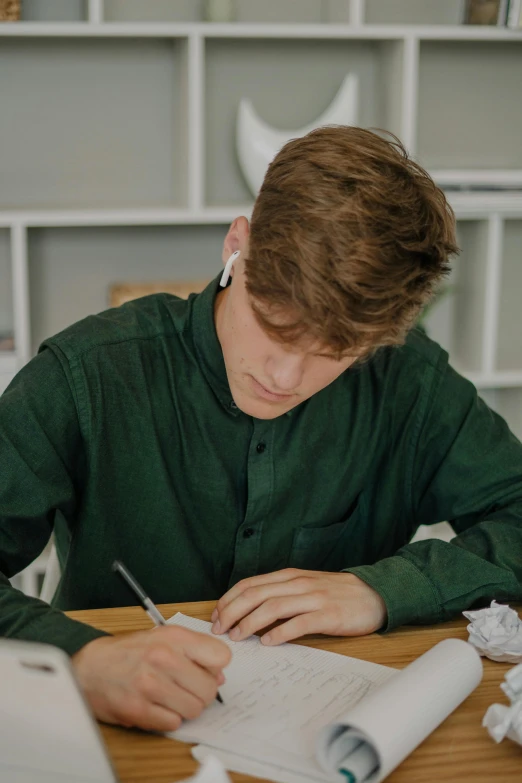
[[465, 467]]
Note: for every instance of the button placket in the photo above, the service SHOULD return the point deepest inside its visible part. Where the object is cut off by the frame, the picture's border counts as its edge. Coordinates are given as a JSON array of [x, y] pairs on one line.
[[259, 483]]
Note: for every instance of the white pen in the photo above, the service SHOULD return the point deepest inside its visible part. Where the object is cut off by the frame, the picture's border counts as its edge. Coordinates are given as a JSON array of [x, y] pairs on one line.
[[151, 609]]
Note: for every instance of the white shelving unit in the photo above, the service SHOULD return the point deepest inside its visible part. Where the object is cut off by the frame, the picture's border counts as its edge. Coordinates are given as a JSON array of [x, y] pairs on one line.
[[119, 160]]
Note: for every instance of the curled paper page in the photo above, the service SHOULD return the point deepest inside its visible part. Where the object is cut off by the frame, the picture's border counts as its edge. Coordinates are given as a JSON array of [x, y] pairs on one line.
[[496, 632], [393, 720], [502, 721]]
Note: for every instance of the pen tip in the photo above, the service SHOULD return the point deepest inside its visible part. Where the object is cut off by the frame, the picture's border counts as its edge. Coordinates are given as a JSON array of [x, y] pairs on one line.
[[220, 698]]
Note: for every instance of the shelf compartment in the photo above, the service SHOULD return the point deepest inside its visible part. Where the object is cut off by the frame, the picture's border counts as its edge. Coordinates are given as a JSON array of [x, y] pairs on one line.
[[418, 12], [6, 295], [71, 269], [509, 348], [152, 11], [243, 11], [469, 112], [8, 368], [54, 11], [98, 123], [456, 320], [289, 83], [281, 11], [5, 380]]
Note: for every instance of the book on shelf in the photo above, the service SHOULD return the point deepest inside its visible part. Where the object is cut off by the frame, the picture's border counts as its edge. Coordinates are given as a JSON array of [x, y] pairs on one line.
[[514, 14], [9, 10], [489, 12], [6, 342]]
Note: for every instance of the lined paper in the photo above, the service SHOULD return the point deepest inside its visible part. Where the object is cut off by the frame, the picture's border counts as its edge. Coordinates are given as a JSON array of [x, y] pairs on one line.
[[277, 701]]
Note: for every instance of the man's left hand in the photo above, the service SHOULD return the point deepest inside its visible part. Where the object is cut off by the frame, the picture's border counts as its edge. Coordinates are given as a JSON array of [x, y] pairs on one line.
[[337, 604]]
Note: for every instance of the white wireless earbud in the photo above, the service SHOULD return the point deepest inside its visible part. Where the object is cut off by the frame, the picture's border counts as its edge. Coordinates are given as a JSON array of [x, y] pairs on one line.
[[228, 267]]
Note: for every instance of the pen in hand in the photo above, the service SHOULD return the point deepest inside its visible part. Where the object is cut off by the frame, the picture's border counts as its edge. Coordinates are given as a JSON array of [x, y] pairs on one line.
[[151, 609]]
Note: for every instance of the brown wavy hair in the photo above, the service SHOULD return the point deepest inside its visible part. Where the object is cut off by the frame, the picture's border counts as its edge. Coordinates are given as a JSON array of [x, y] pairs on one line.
[[348, 240]]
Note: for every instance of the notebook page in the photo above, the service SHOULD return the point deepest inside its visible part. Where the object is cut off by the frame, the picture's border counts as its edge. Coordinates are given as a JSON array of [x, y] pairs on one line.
[[257, 769], [277, 700]]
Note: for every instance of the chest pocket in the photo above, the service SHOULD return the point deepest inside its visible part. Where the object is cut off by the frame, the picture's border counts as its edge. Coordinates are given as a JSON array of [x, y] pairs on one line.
[[331, 547]]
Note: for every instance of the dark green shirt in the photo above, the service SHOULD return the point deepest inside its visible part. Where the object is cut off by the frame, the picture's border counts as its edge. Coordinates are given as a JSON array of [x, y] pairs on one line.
[[123, 436]]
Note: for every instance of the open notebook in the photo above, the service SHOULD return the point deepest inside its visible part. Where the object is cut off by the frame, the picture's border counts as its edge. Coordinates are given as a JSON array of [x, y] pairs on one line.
[[292, 713]]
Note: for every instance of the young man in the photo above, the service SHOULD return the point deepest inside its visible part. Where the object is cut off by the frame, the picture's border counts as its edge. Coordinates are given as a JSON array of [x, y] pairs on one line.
[[274, 444]]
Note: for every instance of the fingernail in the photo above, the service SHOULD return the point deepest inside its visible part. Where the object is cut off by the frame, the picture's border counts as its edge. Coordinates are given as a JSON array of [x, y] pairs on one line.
[[235, 633], [214, 615], [266, 639], [216, 627], [221, 678]]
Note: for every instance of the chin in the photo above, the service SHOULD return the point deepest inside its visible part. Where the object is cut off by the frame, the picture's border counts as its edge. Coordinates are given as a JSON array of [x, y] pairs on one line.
[[259, 409]]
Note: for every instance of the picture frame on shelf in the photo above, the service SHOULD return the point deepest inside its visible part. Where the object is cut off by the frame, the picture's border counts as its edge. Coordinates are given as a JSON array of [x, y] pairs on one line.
[[120, 293]]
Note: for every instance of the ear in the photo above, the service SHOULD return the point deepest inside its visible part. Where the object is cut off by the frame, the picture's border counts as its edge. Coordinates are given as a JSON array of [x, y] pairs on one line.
[[236, 238]]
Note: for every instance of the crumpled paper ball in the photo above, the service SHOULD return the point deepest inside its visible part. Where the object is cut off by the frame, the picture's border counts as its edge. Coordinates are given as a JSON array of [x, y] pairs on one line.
[[210, 771], [502, 721], [496, 632]]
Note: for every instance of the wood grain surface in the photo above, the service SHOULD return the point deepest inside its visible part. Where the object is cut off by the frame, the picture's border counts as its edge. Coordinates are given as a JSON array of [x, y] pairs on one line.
[[459, 750]]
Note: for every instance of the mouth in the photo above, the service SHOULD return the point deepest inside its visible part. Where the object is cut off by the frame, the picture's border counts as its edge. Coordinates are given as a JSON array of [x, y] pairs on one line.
[[266, 394]]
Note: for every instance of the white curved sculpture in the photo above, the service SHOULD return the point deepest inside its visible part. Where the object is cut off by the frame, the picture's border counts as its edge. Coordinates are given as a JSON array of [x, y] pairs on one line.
[[258, 142]]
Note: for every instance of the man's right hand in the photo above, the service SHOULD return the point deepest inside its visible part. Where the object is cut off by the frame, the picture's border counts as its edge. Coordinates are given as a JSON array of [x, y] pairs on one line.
[[151, 679]]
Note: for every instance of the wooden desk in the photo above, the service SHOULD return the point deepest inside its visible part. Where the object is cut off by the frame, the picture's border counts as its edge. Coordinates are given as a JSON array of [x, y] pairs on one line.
[[459, 750]]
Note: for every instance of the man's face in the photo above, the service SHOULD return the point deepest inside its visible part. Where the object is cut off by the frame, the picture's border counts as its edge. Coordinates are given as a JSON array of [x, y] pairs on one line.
[[265, 377]]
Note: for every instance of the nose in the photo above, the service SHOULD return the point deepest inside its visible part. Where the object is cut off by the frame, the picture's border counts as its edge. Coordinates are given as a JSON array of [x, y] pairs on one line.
[[285, 371]]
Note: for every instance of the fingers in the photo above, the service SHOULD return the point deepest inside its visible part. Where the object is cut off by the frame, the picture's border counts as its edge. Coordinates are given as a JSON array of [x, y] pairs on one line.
[[314, 622], [158, 687], [253, 596], [145, 715], [272, 610], [284, 575], [155, 703], [187, 687], [204, 650]]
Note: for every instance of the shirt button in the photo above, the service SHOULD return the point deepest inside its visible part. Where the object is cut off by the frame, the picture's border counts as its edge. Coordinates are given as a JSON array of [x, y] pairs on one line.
[[233, 405], [260, 447], [248, 532]]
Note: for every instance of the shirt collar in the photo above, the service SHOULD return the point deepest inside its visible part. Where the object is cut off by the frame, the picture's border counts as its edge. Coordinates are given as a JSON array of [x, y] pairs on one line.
[[208, 347]]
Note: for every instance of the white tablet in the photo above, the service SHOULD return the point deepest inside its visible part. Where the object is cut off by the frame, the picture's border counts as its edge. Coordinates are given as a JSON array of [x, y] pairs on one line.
[[47, 732]]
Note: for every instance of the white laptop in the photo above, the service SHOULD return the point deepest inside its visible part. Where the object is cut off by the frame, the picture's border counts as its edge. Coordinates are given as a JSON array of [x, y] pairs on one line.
[[47, 732]]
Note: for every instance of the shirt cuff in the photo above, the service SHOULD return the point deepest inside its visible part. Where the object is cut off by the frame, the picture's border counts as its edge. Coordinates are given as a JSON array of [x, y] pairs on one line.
[[60, 631], [409, 596]]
